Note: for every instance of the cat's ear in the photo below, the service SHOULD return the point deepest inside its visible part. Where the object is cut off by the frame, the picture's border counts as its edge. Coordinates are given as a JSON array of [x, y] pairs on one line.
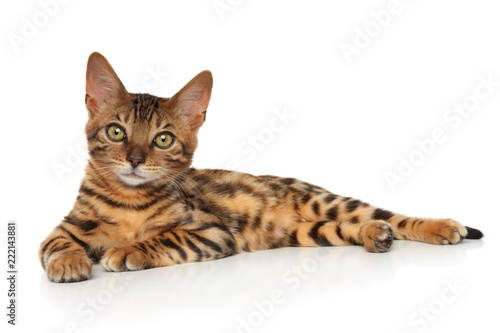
[[192, 100], [103, 85]]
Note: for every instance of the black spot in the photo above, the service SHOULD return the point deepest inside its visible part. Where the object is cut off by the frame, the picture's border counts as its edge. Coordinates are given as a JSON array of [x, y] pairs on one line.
[[245, 188], [338, 230], [352, 241], [313, 189], [354, 220], [205, 208], [332, 213], [382, 214], [402, 224], [241, 223], [275, 187], [319, 239], [315, 207], [289, 181], [306, 198], [293, 239], [89, 225], [352, 205], [230, 244], [224, 188], [257, 220], [295, 203], [329, 198]]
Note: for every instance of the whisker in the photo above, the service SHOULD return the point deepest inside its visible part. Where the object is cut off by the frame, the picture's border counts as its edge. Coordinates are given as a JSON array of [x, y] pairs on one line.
[[102, 175], [185, 179], [178, 186]]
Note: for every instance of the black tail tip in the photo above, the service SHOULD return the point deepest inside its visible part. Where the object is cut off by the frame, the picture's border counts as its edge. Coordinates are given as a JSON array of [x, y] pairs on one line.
[[473, 233]]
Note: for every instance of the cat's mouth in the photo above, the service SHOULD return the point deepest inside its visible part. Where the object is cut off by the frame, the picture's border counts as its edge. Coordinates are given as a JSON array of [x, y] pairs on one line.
[[133, 175], [133, 178]]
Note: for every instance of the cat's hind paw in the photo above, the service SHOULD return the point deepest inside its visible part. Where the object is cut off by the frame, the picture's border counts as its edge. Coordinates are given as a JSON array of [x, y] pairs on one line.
[[377, 236], [446, 231]]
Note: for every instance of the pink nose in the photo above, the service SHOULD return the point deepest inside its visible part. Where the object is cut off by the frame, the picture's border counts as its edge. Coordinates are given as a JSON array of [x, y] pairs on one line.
[[135, 161]]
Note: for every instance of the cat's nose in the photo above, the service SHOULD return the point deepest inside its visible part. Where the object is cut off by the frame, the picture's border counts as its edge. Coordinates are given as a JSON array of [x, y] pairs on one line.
[[135, 161]]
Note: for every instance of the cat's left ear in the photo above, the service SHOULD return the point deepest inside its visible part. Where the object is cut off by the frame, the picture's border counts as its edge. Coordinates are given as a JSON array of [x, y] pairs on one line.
[[192, 100]]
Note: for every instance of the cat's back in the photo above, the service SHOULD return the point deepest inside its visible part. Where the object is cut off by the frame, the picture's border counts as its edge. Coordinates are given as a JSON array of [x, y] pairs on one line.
[[225, 183], [231, 183], [239, 193]]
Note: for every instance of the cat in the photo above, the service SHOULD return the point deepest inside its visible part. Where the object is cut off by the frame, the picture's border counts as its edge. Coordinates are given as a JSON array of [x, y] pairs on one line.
[[140, 204]]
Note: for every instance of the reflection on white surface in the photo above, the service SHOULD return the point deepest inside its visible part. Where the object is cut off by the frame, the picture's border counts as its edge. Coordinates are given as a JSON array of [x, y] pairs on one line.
[[257, 292]]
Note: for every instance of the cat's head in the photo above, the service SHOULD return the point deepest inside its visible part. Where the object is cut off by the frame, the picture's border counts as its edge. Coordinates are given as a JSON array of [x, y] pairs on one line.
[[140, 139]]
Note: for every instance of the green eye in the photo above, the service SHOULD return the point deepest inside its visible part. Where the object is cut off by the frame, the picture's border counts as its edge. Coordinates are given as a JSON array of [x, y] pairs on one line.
[[115, 133], [164, 140]]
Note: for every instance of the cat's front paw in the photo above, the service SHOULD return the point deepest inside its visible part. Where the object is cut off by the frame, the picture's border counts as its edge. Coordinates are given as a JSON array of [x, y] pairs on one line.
[[445, 231], [69, 268], [127, 258]]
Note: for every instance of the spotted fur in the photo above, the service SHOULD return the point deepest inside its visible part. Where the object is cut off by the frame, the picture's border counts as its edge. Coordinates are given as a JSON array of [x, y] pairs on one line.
[[141, 206]]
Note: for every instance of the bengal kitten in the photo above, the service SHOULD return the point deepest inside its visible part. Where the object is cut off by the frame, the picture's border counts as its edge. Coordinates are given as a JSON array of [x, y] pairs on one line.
[[140, 205]]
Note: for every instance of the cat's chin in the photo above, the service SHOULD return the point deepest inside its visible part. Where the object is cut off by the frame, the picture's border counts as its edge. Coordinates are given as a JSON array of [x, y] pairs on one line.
[[133, 179]]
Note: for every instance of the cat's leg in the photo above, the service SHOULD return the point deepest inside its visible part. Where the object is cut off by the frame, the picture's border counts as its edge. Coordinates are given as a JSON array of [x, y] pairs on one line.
[[320, 206], [374, 235], [431, 230], [64, 257], [207, 242]]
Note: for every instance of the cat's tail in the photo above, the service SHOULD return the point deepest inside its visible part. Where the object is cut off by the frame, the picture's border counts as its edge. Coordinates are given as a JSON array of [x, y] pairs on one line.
[[473, 233]]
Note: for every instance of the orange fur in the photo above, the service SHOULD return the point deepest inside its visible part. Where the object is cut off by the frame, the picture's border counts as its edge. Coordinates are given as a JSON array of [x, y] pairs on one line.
[[141, 205]]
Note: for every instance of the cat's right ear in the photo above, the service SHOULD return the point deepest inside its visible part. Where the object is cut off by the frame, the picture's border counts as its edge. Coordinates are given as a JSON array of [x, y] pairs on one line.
[[103, 85]]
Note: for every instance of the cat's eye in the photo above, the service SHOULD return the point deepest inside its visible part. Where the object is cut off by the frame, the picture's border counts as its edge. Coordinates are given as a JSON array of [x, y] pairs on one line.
[[115, 133], [164, 140]]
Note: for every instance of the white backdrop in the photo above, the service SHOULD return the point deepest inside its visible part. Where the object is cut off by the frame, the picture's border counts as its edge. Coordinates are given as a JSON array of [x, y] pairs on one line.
[[392, 101]]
